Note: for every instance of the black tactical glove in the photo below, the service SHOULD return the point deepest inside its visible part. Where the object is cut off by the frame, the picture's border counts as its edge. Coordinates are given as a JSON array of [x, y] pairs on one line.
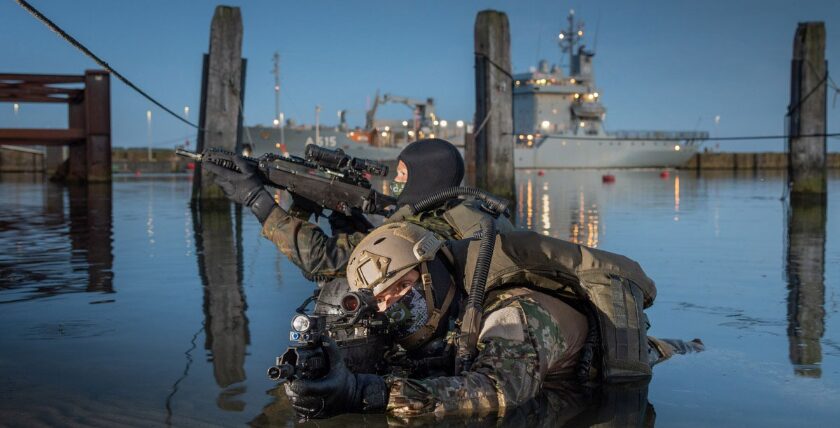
[[340, 391], [244, 186]]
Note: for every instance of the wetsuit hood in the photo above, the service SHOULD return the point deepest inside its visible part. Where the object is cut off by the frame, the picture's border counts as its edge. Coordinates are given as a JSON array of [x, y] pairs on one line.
[[433, 165]]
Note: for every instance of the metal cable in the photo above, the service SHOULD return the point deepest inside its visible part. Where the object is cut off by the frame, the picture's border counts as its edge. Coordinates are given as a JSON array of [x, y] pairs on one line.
[[56, 29], [756, 137]]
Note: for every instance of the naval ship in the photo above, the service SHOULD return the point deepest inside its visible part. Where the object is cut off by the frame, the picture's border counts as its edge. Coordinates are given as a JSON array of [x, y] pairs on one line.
[[558, 123], [559, 119], [379, 139]]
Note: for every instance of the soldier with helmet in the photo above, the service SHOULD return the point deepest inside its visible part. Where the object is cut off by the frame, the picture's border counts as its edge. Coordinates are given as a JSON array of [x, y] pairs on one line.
[[553, 312]]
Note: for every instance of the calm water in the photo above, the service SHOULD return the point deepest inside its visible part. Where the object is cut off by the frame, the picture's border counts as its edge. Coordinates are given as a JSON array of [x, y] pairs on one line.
[[116, 309]]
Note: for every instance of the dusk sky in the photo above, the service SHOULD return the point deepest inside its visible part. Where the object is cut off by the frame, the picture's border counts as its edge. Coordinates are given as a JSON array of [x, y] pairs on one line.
[[659, 65]]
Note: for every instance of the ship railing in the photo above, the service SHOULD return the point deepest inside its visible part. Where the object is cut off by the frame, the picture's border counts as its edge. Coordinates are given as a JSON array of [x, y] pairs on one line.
[[661, 135]]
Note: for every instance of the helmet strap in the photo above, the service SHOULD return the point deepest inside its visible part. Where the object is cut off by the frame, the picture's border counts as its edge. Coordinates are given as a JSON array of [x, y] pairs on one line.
[[419, 337]]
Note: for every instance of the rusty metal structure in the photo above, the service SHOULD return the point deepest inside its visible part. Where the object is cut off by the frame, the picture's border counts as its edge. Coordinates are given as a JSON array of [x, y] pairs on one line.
[[88, 135]]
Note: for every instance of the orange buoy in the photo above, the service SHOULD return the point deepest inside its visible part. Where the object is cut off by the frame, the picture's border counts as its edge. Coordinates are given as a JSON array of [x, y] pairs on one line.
[[540, 173], [608, 178], [664, 174]]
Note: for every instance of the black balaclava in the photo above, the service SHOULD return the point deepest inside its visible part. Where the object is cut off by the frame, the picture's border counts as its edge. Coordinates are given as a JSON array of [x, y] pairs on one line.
[[433, 165]]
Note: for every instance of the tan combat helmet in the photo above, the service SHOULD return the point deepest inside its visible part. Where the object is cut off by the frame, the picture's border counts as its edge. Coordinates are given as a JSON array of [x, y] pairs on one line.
[[388, 253]]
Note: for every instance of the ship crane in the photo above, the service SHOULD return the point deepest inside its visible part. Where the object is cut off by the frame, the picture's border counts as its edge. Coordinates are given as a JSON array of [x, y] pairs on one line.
[[424, 110]]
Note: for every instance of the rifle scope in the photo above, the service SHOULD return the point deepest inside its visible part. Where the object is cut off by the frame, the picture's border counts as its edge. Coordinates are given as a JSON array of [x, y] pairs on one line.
[[330, 159], [337, 160]]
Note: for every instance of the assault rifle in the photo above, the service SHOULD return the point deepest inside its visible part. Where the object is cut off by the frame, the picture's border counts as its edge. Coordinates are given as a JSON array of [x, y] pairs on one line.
[[324, 178], [358, 329]]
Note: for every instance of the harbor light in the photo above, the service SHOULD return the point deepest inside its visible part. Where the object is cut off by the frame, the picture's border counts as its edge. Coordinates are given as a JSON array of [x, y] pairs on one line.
[[436, 123], [590, 97], [384, 134], [561, 36], [387, 128], [16, 108], [443, 123], [577, 96], [459, 123], [405, 123], [431, 135], [595, 95], [410, 133], [583, 124], [545, 124], [580, 33], [276, 122], [572, 81], [677, 148], [530, 137]]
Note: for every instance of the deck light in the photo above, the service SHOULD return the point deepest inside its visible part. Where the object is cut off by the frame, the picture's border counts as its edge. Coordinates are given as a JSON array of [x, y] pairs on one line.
[[459, 123]]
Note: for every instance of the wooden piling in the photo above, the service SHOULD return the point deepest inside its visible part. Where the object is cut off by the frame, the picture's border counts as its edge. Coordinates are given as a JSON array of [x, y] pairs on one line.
[[805, 271], [806, 113], [491, 157], [221, 95]]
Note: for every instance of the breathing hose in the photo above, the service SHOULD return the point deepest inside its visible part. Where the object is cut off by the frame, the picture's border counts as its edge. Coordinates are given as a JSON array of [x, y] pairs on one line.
[[492, 203], [470, 326]]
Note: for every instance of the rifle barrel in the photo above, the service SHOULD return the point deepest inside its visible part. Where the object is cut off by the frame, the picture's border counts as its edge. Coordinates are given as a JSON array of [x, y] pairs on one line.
[[188, 154]]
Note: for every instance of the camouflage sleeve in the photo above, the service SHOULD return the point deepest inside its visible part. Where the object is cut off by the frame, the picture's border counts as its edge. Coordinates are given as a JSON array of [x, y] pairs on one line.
[[307, 246], [518, 343]]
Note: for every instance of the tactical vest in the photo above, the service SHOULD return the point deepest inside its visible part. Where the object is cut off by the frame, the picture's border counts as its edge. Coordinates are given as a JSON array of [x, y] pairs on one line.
[[456, 219], [614, 286]]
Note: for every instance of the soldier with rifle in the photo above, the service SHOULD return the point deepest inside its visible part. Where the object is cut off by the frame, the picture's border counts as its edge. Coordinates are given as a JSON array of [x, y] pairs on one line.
[[489, 323], [426, 167]]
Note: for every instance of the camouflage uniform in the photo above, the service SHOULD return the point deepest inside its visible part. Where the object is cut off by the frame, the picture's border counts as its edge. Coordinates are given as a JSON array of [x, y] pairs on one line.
[[514, 361], [512, 368], [321, 256]]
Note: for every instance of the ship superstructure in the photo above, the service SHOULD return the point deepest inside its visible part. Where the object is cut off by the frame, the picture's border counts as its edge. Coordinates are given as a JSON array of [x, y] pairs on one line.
[[559, 119]]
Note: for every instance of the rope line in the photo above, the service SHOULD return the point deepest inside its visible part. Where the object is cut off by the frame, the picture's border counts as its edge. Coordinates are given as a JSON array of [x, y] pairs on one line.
[[811, 92], [738, 138], [78, 45], [493, 63]]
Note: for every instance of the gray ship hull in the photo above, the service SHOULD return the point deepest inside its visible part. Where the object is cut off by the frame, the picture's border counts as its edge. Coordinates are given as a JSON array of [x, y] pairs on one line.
[[557, 151], [262, 140]]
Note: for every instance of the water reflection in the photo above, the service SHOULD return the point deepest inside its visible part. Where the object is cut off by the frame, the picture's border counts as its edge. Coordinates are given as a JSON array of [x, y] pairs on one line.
[[805, 270], [218, 241], [535, 198], [562, 405], [49, 247]]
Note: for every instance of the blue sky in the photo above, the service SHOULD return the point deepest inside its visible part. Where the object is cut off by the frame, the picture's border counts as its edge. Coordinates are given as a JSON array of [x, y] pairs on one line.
[[670, 65]]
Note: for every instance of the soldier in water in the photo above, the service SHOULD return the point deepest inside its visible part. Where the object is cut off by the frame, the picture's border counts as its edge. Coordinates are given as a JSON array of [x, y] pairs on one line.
[[555, 312]]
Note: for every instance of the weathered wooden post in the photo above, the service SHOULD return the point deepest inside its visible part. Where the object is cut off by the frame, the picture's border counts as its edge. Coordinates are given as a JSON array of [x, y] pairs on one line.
[[221, 95], [492, 154], [806, 113], [805, 269]]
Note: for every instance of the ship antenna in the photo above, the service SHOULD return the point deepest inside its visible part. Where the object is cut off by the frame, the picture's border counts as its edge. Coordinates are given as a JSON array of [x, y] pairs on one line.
[[276, 72], [597, 27], [569, 38]]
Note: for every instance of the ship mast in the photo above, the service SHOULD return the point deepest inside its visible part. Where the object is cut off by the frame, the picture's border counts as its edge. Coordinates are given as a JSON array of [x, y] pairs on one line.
[[276, 72], [569, 38]]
